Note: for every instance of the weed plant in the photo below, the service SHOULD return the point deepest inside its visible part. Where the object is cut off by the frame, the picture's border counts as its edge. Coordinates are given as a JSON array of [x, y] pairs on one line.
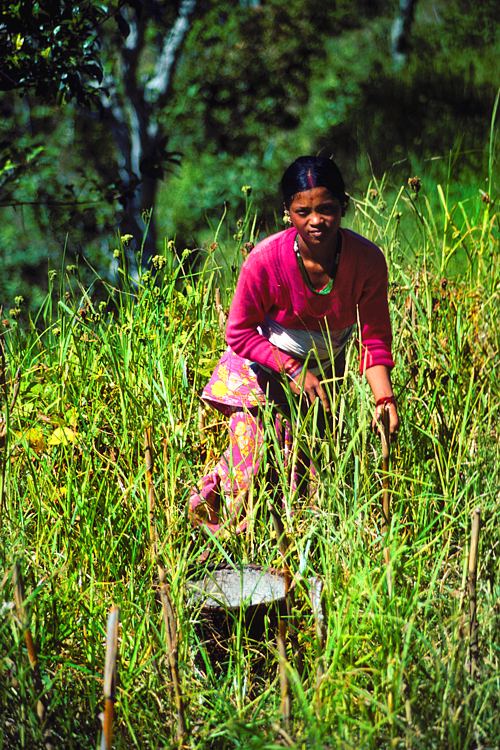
[[94, 371]]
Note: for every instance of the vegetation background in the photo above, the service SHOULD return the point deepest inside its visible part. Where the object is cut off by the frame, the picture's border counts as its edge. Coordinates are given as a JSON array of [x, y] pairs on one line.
[[110, 110], [141, 149]]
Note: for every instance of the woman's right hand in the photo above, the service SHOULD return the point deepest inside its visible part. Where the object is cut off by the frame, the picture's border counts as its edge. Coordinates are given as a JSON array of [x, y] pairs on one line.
[[306, 382]]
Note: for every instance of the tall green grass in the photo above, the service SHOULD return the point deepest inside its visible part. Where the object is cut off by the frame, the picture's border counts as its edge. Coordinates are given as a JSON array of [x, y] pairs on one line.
[[98, 366]]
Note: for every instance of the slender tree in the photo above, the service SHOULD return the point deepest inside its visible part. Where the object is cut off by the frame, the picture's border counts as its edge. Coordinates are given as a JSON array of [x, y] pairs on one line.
[[401, 30], [133, 96]]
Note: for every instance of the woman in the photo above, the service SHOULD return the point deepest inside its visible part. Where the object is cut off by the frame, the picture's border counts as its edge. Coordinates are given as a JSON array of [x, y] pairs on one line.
[[298, 298]]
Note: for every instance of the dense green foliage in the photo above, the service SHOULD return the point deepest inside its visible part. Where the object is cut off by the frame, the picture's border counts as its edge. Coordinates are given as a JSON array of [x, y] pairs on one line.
[[51, 47], [97, 365], [253, 85]]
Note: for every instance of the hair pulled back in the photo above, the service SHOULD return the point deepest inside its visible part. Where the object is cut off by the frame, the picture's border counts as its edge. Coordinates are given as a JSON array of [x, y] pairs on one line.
[[308, 172]]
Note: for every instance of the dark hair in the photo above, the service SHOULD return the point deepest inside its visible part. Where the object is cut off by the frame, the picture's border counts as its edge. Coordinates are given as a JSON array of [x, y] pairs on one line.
[[308, 172]]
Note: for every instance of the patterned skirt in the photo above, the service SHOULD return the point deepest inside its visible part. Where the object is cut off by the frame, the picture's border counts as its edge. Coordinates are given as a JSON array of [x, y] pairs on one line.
[[234, 385], [239, 388]]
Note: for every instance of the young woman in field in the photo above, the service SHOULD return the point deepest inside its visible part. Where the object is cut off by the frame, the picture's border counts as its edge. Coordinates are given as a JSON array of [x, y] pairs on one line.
[[299, 296]]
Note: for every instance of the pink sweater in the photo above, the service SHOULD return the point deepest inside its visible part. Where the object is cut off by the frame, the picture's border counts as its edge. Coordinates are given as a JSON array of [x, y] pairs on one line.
[[271, 284]]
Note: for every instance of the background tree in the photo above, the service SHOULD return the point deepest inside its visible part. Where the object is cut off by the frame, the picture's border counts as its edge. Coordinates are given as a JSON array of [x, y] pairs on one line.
[[99, 150], [251, 63], [50, 55], [401, 31], [136, 89]]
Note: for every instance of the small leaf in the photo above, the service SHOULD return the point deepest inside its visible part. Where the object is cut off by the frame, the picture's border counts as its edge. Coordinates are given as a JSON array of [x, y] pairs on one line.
[[71, 417], [62, 436]]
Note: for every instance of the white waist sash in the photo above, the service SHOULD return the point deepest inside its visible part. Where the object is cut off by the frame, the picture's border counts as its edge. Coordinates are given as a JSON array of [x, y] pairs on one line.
[[323, 346]]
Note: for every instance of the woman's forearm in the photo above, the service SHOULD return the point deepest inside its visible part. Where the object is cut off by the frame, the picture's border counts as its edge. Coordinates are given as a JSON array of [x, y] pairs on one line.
[[379, 380]]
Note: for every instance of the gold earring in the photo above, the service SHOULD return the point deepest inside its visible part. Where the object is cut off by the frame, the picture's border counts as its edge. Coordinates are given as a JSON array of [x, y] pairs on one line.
[[286, 217]]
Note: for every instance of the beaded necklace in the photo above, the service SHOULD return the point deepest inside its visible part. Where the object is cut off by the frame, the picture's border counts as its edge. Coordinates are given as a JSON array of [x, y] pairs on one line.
[[328, 288]]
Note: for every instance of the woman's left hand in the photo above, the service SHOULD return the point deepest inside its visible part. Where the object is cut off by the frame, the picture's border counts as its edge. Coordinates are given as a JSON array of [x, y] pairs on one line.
[[379, 379], [393, 418]]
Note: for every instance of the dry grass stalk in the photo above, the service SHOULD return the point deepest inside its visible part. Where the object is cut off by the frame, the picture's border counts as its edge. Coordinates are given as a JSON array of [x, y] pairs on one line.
[[23, 617], [471, 584], [283, 675], [167, 505], [220, 310], [148, 460], [171, 631], [283, 544], [386, 499], [169, 617], [287, 740], [281, 536], [315, 594], [110, 678]]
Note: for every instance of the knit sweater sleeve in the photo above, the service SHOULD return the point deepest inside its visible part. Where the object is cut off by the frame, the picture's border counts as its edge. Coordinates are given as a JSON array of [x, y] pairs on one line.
[[257, 291], [374, 320]]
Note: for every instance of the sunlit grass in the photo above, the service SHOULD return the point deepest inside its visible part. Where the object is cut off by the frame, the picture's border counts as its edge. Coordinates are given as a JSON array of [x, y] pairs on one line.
[[98, 367]]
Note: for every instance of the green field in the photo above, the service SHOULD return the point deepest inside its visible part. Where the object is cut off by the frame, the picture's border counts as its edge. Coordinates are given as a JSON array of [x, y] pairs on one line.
[[85, 378]]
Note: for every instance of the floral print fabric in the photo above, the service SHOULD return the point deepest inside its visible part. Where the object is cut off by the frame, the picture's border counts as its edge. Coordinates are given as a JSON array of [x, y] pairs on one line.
[[238, 389], [233, 385], [230, 480]]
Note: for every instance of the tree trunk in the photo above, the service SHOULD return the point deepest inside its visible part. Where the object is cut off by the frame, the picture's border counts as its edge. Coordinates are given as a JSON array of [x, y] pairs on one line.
[[132, 107], [401, 30]]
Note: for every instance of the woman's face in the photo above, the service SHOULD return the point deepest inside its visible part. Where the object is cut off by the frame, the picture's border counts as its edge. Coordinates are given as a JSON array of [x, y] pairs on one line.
[[316, 216]]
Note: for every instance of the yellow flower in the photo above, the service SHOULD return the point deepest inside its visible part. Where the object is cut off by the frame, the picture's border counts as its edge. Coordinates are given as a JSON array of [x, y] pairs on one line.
[[219, 389], [241, 429]]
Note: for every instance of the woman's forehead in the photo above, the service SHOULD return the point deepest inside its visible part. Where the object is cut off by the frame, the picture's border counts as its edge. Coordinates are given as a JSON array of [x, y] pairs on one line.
[[314, 195]]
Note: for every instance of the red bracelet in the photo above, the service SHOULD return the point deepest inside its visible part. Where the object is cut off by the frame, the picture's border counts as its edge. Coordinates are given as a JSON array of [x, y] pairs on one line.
[[292, 374], [386, 400]]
